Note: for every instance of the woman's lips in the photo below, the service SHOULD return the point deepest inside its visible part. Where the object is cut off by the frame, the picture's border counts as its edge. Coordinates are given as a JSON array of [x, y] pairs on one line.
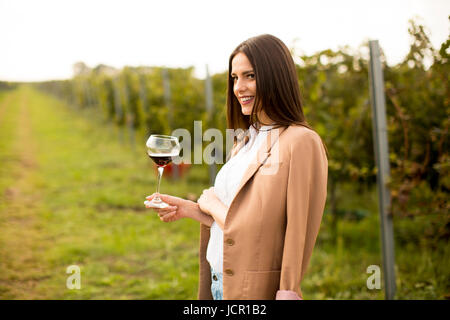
[[246, 100]]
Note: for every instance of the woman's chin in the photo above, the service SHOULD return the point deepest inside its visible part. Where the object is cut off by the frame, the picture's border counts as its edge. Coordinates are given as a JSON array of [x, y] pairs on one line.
[[246, 111]]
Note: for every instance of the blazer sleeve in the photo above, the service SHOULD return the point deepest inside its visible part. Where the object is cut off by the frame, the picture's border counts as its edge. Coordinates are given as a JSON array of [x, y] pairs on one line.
[[306, 197]]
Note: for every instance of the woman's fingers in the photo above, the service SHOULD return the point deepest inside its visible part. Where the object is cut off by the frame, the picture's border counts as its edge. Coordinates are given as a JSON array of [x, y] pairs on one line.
[[169, 213], [174, 201], [150, 197], [167, 217], [164, 211]]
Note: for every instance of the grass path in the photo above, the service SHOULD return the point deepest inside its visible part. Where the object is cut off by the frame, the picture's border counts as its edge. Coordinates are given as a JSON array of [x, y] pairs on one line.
[[19, 225], [70, 194]]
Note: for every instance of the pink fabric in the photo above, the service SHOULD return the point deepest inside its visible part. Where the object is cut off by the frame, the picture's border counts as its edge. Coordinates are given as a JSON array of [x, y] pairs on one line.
[[287, 295]]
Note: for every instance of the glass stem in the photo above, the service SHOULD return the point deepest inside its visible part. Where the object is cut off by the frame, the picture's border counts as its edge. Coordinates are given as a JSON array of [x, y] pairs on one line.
[[160, 173]]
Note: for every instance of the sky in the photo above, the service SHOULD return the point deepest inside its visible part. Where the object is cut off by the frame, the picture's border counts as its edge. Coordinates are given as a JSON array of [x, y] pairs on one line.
[[41, 40]]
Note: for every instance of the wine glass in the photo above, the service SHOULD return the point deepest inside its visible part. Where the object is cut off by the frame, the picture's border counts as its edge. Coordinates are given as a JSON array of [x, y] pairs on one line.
[[161, 149]]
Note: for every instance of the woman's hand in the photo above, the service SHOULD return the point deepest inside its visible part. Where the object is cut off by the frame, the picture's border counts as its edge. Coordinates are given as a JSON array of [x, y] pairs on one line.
[[208, 201], [210, 204], [179, 208]]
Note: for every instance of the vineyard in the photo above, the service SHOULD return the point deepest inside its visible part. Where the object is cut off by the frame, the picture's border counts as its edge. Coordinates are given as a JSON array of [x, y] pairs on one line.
[[74, 175]]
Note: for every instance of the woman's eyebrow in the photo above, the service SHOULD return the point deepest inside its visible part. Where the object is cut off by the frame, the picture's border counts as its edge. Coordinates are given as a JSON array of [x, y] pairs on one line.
[[244, 72]]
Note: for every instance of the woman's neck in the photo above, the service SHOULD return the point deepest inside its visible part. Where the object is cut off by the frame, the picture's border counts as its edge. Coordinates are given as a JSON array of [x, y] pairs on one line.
[[258, 125], [263, 120]]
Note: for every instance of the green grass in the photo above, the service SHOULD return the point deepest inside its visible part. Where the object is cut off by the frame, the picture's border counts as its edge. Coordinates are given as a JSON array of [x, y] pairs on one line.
[[72, 192], [87, 210]]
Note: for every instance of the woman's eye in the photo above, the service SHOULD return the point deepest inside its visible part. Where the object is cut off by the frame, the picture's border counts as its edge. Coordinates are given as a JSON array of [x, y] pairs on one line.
[[251, 75]]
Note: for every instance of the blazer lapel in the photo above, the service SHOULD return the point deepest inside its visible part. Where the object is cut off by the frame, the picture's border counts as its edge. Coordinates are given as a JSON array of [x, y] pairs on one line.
[[262, 155]]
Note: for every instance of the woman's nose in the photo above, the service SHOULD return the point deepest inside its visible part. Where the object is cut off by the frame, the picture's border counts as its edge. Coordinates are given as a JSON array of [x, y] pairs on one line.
[[239, 86]]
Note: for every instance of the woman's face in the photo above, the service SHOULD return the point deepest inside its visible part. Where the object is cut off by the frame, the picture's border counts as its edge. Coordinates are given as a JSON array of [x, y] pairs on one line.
[[244, 87]]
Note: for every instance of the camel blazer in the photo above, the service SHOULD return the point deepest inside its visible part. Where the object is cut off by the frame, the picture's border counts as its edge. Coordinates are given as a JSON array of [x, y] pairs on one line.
[[273, 221]]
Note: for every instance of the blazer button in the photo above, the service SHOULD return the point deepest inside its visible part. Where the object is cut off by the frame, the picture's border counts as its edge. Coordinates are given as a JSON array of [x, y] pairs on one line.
[[229, 272], [230, 242]]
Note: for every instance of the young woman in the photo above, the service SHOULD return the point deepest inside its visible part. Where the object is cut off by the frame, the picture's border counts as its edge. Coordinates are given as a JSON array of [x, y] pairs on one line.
[[260, 221]]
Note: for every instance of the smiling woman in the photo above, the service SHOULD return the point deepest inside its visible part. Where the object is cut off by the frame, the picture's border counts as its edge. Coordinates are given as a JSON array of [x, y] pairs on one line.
[[260, 254], [244, 86], [267, 59], [259, 226]]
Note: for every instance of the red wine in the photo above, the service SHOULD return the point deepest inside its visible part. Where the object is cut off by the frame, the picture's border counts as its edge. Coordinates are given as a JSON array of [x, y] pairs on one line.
[[161, 160]]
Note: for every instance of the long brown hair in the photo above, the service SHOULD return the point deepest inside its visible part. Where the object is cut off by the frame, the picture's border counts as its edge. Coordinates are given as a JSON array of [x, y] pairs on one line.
[[277, 87]]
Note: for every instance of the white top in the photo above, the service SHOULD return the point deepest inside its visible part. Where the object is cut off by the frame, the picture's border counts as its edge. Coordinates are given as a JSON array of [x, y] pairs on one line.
[[225, 186]]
